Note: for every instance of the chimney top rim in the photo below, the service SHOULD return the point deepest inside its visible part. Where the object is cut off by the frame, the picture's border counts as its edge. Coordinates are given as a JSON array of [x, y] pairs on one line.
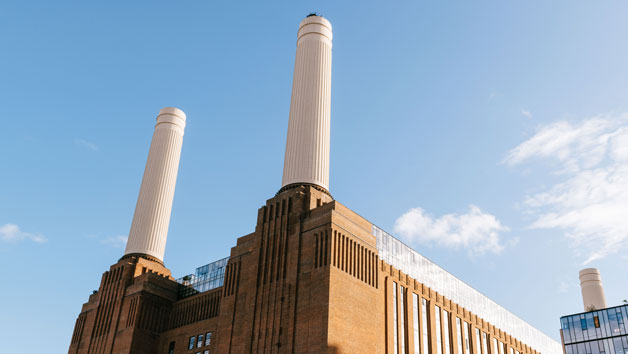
[[172, 111]]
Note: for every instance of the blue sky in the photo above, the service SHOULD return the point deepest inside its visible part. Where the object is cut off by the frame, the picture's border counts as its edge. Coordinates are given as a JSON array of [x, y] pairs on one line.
[[491, 136]]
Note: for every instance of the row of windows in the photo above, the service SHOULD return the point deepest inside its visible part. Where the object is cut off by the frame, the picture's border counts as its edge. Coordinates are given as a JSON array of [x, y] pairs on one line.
[[595, 324], [445, 330], [397, 254], [198, 340], [614, 345]]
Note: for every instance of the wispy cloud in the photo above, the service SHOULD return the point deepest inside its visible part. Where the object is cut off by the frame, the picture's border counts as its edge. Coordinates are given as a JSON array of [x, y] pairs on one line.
[[526, 113], [118, 241], [86, 144], [590, 199], [12, 233], [475, 231]]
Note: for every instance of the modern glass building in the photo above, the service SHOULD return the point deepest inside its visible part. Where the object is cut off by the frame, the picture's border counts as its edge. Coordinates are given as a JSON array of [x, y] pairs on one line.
[[205, 278], [596, 332]]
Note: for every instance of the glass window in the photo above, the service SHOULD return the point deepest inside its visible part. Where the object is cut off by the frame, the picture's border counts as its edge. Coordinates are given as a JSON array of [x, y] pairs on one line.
[[596, 321], [460, 335], [494, 350], [395, 329], [424, 321], [446, 331], [206, 351], [199, 343], [484, 343], [208, 338], [415, 318], [467, 338], [171, 348], [192, 342], [402, 337], [439, 331], [501, 348], [478, 342]]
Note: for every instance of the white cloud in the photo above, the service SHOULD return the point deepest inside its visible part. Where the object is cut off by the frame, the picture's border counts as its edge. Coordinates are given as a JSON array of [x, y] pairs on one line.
[[118, 241], [526, 113], [12, 232], [86, 144], [590, 200], [475, 231]]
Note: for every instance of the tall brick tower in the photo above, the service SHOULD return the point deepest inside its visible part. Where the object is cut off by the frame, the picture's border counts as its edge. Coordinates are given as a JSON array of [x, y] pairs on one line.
[[313, 277]]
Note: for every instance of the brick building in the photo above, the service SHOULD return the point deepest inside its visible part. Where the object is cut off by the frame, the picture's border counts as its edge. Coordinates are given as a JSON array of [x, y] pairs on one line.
[[312, 277]]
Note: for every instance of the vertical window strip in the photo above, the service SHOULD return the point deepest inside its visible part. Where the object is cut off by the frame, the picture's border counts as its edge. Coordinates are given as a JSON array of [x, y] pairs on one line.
[[415, 322], [484, 343], [478, 342], [395, 329], [402, 312], [460, 335], [467, 338], [439, 331], [316, 251], [446, 331], [335, 250], [424, 326]]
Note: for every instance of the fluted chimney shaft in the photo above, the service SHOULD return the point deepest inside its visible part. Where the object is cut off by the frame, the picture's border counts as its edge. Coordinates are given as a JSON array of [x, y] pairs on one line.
[[149, 229], [307, 145], [592, 291]]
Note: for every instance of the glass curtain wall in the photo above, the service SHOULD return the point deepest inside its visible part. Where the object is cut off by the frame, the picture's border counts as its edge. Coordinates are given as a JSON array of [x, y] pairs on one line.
[[396, 253], [596, 332]]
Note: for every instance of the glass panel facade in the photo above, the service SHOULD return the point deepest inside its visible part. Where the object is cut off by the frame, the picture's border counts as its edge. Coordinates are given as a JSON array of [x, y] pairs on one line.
[[399, 255], [207, 277], [415, 315], [596, 332]]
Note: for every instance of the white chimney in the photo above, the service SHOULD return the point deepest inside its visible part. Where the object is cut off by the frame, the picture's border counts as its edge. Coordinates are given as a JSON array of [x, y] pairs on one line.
[[149, 229], [307, 146], [592, 290]]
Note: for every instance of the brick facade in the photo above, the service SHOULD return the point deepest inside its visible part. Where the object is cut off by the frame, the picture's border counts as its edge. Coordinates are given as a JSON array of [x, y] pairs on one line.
[[307, 280]]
